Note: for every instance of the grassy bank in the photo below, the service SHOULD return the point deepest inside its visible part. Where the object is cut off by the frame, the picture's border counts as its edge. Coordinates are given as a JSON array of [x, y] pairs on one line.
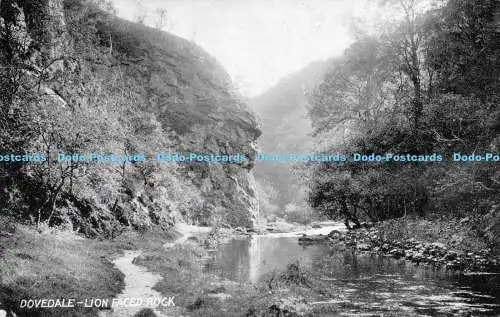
[[197, 293], [53, 265], [204, 293], [60, 264]]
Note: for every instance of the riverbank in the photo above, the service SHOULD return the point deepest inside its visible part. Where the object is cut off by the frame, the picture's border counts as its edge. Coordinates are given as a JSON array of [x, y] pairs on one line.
[[61, 264], [452, 245], [180, 264], [333, 279], [47, 263], [55, 265], [173, 265], [199, 292]]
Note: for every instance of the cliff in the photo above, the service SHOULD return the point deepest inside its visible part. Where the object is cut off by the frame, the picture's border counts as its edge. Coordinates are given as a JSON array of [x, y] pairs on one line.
[[111, 86]]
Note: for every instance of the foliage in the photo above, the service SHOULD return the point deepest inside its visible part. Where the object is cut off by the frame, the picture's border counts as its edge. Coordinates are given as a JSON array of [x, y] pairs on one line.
[[267, 194], [80, 99], [460, 234], [427, 84]]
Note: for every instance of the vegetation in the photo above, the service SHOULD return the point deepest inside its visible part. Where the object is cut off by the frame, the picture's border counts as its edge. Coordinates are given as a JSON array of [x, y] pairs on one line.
[[76, 79], [55, 265], [283, 114], [460, 235], [425, 84]]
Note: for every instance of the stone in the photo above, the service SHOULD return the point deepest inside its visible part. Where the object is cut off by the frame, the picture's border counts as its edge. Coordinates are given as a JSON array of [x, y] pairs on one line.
[[290, 307], [438, 245], [220, 296], [335, 234], [397, 253], [363, 247], [220, 289], [146, 312], [312, 239], [453, 255]]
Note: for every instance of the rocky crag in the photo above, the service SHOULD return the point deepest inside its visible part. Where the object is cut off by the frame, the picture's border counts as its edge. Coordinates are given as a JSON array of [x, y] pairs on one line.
[[129, 89]]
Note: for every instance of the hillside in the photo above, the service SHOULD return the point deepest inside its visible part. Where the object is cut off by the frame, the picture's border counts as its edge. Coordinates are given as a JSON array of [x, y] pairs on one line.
[[91, 82], [286, 129]]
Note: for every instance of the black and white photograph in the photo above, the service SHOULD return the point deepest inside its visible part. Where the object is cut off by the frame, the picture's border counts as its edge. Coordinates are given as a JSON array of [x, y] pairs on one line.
[[249, 158]]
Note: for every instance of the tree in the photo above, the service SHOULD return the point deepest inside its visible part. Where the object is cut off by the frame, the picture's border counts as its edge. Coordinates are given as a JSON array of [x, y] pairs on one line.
[[406, 39], [441, 74], [141, 13], [463, 47], [356, 93], [161, 18]]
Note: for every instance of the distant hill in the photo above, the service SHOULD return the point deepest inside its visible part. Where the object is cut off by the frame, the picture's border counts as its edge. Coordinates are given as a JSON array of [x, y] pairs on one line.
[[286, 129]]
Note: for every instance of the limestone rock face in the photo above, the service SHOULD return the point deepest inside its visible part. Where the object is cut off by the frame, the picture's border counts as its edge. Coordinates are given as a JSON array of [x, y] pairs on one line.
[[193, 96], [177, 84], [45, 25]]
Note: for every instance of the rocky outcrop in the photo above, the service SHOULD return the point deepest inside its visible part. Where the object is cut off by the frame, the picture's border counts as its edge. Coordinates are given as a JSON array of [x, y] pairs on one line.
[[46, 24], [192, 96], [177, 99]]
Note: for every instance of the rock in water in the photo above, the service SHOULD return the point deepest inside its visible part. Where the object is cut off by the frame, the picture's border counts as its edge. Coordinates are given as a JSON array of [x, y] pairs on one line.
[[363, 247], [313, 239], [146, 313]]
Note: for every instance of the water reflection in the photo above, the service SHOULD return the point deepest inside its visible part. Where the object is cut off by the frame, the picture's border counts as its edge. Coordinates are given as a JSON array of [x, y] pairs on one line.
[[362, 283], [250, 259]]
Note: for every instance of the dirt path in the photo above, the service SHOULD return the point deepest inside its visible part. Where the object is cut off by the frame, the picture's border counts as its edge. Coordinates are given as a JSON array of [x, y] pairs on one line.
[[139, 282]]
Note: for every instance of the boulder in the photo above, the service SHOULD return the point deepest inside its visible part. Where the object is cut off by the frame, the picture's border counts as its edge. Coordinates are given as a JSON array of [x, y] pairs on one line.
[[363, 247], [451, 255], [397, 253], [385, 247], [313, 239], [146, 312], [289, 307], [438, 245], [335, 234]]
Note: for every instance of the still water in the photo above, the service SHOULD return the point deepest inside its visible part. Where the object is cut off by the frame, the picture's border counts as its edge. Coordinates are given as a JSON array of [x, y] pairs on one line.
[[363, 283]]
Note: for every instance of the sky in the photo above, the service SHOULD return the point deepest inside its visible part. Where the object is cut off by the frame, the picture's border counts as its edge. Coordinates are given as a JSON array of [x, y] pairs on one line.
[[257, 41]]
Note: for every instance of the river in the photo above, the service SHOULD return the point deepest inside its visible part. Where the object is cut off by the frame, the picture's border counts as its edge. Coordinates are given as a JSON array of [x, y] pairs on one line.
[[365, 284]]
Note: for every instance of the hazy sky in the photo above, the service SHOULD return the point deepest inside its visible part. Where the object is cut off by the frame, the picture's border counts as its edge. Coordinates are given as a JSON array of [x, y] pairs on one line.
[[257, 41]]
